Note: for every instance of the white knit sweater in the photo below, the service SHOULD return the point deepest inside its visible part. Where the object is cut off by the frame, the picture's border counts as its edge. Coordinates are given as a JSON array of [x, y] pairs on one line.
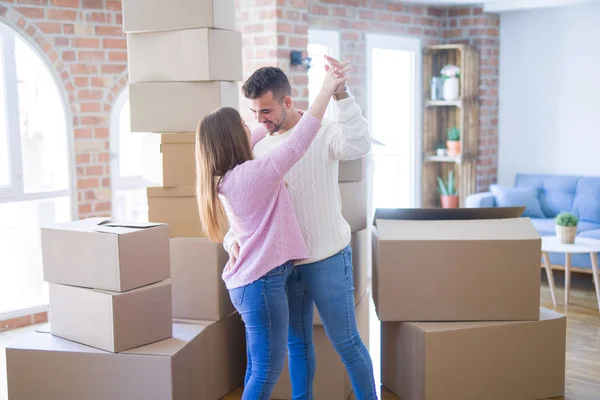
[[313, 181]]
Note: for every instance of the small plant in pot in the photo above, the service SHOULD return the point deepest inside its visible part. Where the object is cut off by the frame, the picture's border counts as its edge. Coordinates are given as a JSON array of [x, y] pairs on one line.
[[448, 193], [453, 142], [566, 227]]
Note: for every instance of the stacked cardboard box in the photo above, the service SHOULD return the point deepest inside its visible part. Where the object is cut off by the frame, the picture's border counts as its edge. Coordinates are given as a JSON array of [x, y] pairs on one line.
[[458, 294], [182, 65], [111, 331]]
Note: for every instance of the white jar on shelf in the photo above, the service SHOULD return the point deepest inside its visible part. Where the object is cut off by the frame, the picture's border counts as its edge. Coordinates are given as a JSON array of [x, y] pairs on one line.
[[451, 89]]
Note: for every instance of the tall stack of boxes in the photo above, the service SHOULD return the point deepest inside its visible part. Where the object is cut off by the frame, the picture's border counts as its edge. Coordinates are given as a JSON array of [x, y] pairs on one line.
[[331, 378], [458, 294], [111, 332], [182, 65]]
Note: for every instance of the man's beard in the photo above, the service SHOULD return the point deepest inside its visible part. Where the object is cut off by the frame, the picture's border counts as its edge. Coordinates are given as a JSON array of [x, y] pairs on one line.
[[276, 127]]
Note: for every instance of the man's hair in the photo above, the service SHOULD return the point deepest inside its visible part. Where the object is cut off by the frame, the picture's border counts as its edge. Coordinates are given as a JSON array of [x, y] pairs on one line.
[[267, 79]]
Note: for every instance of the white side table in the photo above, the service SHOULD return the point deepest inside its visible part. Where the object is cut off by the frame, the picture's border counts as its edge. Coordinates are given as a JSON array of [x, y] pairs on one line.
[[550, 244]]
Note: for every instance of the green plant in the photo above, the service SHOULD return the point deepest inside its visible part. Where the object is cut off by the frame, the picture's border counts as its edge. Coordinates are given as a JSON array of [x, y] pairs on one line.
[[454, 134], [448, 188], [566, 219]]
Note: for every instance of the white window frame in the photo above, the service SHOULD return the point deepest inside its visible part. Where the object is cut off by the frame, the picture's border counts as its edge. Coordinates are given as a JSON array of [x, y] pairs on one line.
[[331, 39], [15, 192], [410, 44], [119, 182]]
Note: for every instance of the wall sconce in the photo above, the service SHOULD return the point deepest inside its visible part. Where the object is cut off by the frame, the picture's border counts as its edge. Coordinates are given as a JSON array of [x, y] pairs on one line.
[[297, 59]]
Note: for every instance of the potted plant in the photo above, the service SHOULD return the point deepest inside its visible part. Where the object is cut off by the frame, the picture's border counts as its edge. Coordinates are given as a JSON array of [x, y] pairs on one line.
[[453, 142], [566, 227], [451, 74], [448, 193]]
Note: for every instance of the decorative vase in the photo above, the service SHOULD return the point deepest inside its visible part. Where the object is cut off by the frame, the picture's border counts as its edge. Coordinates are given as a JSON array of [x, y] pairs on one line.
[[441, 152], [449, 201], [566, 234], [451, 89], [453, 147]]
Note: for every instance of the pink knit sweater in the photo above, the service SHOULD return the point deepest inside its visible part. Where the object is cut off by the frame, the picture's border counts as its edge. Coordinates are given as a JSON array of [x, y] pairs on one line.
[[260, 211]]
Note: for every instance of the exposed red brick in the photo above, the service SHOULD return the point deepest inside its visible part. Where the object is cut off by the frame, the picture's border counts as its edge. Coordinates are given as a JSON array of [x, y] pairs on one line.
[[62, 15], [65, 3], [114, 43], [82, 158], [86, 55], [108, 30], [49, 27], [86, 43], [84, 209], [96, 4], [88, 183], [31, 12]]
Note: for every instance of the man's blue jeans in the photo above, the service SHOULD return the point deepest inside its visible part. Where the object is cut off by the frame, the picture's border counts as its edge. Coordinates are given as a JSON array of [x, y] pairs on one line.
[[330, 285], [263, 306]]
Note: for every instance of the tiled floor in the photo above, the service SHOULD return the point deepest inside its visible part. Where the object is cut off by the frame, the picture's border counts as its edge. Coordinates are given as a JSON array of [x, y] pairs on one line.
[[583, 341]]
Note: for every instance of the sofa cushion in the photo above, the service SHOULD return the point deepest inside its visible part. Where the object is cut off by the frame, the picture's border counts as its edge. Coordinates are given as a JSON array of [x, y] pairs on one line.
[[557, 193], [592, 233], [546, 226], [507, 196], [587, 200]]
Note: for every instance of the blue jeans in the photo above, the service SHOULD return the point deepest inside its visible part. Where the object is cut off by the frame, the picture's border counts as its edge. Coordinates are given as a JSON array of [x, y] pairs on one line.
[[263, 306], [330, 285]]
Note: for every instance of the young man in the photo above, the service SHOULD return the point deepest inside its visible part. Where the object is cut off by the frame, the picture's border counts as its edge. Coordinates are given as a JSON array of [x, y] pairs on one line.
[[325, 278]]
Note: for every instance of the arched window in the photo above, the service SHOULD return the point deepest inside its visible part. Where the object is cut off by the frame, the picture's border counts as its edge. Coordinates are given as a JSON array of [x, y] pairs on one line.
[[133, 154], [35, 177]]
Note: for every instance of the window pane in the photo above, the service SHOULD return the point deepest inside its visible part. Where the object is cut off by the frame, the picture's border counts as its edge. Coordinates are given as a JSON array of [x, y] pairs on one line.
[[42, 122], [130, 205], [131, 147], [21, 275], [316, 73], [4, 161]]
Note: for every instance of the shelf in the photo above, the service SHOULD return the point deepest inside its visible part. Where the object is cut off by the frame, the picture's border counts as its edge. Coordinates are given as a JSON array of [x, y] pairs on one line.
[[436, 158], [437, 47], [443, 103]]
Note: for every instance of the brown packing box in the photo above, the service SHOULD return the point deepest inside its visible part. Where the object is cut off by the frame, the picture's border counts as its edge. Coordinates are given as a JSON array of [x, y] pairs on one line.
[[200, 361], [354, 204], [150, 15], [172, 107], [331, 378], [104, 254], [360, 268], [177, 207], [185, 55], [475, 360], [466, 264], [111, 321], [199, 293], [353, 170], [174, 162]]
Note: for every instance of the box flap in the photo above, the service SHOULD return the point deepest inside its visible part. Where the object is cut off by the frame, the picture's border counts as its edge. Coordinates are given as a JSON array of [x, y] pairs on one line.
[[438, 214], [80, 225], [43, 340], [179, 191], [178, 138], [484, 229], [122, 227]]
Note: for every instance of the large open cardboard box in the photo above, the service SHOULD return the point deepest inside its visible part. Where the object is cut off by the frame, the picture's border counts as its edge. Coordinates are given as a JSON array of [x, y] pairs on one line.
[[331, 378], [104, 254], [200, 361], [475, 360], [151, 15], [199, 293], [465, 264], [185, 55], [173, 107], [111, 321]]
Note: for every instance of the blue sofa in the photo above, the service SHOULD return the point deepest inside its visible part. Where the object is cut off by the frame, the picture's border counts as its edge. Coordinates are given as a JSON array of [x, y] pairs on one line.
[[544, 196]]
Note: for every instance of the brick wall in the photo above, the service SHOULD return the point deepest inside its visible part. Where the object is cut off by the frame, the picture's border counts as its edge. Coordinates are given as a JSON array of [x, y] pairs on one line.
[[471, 26], [83, 44]]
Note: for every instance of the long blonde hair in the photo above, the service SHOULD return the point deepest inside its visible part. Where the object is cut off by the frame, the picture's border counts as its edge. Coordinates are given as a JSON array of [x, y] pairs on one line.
[[221, 144]]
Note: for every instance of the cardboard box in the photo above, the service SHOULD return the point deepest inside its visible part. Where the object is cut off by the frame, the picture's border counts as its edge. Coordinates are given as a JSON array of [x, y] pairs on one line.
[[177, 207], [200, 362], [353, 170], [475, 360], [354, 204], [172, 160], [172, 107], [331, 378], [199, 293], [111, 321], [360, 266], [466, 264], [185, 55], [150, 15], [101, 253]]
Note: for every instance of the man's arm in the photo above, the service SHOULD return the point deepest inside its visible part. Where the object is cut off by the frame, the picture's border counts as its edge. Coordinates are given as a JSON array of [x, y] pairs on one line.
[[350, 137]]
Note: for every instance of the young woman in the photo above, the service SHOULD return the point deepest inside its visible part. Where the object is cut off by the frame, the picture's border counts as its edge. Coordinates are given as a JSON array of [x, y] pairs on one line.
[[252, 195]]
